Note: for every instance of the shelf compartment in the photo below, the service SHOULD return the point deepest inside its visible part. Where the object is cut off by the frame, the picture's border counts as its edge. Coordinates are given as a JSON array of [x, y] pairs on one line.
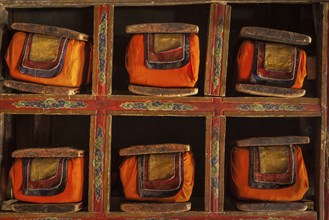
[[135, 130], [288, 17], [44, 131], [242, 128], [124, 16], [77, 19]]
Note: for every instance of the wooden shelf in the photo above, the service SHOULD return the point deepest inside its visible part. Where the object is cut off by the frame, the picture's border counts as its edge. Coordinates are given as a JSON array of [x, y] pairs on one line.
[[106, 117]]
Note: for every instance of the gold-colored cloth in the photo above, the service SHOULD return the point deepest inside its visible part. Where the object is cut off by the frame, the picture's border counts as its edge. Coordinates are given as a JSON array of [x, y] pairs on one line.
[[273, 159], [161, 166], [278, 57], [164, 42], [43, 168], [44, 48]]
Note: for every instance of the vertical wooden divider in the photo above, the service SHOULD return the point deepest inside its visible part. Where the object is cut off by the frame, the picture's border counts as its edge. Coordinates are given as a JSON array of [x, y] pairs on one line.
[[215, 160], [217, 49], [2, 136], [102, 75], [322, 154]]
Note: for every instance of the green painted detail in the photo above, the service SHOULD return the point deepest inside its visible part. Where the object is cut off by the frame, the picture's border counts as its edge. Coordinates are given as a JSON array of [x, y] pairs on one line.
[[215, 162], [50, 103], [270, 107], [157, 106], [102, 47], [98, 163], [217, 59]]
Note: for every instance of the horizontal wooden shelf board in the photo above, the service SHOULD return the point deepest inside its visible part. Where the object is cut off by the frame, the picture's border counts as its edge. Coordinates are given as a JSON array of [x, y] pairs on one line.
[[272, 99], [149, 105], [161, 113], [249, 106], [156, 215], [74, 215], [223, 215], [51, 112], [271, 115], [140, 97], [81, 3], [10, 96], [266, 215]]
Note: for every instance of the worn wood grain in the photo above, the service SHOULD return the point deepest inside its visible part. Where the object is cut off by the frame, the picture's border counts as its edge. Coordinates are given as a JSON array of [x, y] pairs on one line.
[[154, 149], [40, 89], [263, 90], [321, 152], [271, 206], [203, 106], [156, 207], [50, 30], [80, 3], [45, 208], [5, 205], [272, 141], [273, 35], [163, 92], [217, 49], [48, 152], [162, 28]]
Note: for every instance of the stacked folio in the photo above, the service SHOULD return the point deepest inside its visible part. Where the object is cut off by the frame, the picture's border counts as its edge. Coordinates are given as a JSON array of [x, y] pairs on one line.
[[162, 173], [271, 62], [48, 59], [47, 180], [163, 59], [269, 173]]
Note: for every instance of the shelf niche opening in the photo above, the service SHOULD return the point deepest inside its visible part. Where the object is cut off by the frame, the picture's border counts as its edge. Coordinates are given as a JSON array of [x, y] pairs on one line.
[[289, 17], [45, 131], [242, 128], [136, 130], [124, 16]]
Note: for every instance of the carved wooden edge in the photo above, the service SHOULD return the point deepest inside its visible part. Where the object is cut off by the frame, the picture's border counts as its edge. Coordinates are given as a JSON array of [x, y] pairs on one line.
[[271, 206], [48, 152], [225, 50], [44, 208], [273, 35], [50, 30], [163, 92], [217, 49], [271, 141], [41, 89], [263, 90], [162, 28], [156, 207], [154, 149]]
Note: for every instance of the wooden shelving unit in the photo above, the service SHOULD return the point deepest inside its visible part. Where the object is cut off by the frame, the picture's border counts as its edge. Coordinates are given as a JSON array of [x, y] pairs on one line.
[[107, 117]]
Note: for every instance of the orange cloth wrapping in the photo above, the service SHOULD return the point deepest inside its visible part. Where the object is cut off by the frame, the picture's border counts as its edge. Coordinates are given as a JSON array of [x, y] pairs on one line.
[[185, 76], [76, 70], [128, 175], [73, 190], [245, 61], [240, 174]]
